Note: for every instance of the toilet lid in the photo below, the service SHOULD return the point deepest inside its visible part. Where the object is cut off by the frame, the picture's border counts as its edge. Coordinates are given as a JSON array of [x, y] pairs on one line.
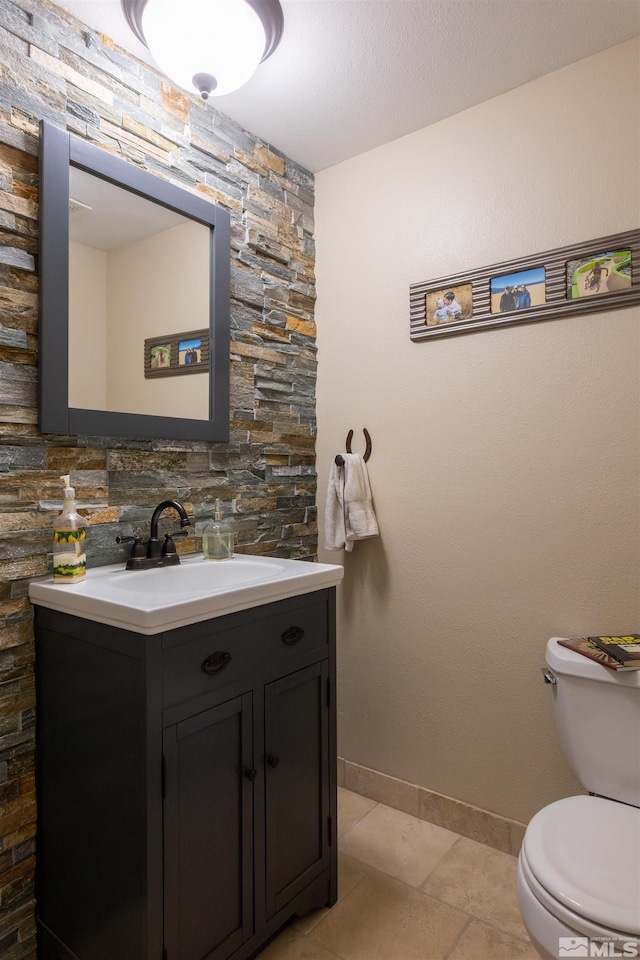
[[585, 851]]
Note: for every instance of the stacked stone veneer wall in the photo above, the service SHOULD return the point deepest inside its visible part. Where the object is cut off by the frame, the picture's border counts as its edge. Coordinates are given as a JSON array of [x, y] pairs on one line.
[[52, 67]]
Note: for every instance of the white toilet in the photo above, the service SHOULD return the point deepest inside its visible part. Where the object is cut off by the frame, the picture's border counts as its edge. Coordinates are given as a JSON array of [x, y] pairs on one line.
[[579, 867]]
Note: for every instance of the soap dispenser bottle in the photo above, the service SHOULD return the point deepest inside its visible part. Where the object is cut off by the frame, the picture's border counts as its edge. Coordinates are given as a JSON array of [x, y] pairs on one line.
[[217, 538], [69, 540]]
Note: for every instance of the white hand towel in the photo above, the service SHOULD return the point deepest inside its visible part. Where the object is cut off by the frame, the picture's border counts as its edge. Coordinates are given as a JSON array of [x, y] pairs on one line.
[[349, 512]]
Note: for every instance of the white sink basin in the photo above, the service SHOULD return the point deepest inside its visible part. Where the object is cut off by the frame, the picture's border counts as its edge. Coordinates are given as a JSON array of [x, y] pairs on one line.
[[150, 601], [198, 578]]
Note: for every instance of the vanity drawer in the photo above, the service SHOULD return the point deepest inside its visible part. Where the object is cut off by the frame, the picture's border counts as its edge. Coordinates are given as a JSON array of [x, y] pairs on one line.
[[226, 650]]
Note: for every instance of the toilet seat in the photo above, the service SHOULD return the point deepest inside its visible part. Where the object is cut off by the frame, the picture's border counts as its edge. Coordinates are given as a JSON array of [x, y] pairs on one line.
[[561, 914], [581, 858]]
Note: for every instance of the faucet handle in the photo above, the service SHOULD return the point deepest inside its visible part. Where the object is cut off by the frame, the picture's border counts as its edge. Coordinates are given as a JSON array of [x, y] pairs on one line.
[[169, 547], [137, 550]]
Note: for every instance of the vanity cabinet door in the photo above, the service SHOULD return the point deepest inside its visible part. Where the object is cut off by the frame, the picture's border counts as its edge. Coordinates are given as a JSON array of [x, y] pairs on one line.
[[208, 829], [296, 783]]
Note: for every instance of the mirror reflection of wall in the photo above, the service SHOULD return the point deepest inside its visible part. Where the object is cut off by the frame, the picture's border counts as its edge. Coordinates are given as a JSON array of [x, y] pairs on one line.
[[136, 270]]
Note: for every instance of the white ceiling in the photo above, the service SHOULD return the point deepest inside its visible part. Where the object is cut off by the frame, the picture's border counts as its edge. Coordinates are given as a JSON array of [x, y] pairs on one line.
[[109, 216], [350, 75]]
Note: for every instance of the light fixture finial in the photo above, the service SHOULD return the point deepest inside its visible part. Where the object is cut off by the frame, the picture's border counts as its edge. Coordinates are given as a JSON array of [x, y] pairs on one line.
[[205, 84], [209, 45]]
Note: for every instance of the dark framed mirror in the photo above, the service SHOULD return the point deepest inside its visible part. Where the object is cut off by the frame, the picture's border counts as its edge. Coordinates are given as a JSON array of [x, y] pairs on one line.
[[134, 276]]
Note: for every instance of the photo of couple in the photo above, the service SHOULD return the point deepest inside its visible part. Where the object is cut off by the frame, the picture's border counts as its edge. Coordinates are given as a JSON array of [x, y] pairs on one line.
[[518, 291], [515, 298], [189, 351]]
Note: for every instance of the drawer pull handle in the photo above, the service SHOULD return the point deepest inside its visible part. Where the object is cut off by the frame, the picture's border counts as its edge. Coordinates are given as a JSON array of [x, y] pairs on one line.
[[251, 774], [292, 635], [273, 761], [216, 663]]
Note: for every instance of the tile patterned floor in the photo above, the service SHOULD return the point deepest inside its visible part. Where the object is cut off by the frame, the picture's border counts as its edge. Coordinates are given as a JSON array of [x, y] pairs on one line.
[[409, 890]]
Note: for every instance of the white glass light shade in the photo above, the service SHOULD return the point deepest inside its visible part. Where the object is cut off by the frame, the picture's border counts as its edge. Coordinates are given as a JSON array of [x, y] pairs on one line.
[[222, 38]]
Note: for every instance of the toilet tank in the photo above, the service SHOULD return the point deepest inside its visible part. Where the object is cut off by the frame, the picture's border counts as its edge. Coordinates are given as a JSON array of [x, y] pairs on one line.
[[597, 714]]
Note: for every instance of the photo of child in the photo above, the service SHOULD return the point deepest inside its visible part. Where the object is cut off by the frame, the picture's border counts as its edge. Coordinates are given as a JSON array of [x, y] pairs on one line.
[[160, 357], [449, 305], [604, 273]]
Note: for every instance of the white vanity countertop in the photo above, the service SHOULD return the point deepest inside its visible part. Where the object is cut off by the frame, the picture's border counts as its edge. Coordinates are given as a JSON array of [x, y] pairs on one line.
[[152, 601]]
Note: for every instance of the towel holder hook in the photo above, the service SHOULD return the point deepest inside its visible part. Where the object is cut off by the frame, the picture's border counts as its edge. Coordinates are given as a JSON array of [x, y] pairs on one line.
[[367, 452]]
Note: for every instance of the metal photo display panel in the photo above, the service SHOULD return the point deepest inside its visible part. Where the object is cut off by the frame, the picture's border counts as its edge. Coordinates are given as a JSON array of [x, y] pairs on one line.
[[176, 354], [599, 275]]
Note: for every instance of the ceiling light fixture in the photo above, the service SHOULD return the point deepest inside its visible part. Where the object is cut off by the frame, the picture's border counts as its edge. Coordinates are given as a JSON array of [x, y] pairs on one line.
[[212, 46]]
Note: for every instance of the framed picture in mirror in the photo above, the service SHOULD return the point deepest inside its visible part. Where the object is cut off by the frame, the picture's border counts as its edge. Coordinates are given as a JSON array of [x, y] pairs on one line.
[[177, 354]]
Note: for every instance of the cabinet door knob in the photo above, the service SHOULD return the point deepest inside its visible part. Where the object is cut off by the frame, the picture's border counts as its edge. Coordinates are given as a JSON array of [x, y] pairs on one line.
[[273, 761], [292, 635], [216, 663], [251, 774]]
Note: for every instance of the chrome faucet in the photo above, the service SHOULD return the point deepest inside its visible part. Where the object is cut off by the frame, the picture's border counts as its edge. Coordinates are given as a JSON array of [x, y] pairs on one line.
[[156, 554]]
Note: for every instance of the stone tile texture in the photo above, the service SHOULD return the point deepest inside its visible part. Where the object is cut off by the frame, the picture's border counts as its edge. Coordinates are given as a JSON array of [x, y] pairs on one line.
[[384, 919], [351, 809], [480, 942], [402, 845], [482, 882], [461, 818]]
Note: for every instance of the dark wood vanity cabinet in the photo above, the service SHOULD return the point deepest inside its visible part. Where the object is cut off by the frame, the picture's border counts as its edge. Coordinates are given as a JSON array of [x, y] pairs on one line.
[[186, 782]]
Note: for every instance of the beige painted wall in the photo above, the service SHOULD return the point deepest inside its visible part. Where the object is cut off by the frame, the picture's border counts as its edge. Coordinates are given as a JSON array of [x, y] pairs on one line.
[[157, 286], [87, 327], [505, 463]]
